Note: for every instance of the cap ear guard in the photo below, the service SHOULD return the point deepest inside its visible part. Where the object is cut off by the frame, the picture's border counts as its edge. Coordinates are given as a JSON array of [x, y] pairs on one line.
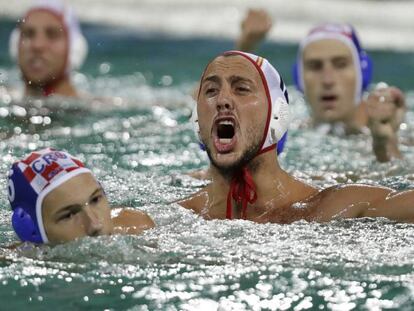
[[25, 227], [78, 51], [281, 143], [23, 223], [296, 76], [366, 69], [279, 120], [14, 43], [196, 127]]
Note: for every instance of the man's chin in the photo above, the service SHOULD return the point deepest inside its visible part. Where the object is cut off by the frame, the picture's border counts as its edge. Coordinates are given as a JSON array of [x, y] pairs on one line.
[[330, 116], [230, 163]]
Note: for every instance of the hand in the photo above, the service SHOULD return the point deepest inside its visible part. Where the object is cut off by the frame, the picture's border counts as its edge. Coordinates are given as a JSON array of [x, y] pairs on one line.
[[254, 28], [385, 110]]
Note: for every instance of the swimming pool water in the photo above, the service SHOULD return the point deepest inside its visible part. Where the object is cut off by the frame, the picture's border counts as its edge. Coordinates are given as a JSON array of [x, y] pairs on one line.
[[141, 150]]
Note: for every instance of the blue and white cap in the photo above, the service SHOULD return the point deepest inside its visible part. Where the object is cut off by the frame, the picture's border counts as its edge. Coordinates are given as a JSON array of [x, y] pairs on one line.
[[346, 34], [30, 180]]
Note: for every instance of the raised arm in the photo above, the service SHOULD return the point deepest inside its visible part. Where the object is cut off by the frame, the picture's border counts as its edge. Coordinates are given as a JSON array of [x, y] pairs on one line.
[[254, 28], [386, 110]]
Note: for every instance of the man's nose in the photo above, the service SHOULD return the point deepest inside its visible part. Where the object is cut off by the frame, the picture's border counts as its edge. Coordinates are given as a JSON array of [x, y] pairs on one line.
[[225, 99], [39, 41], [328, 75], [93, 222]]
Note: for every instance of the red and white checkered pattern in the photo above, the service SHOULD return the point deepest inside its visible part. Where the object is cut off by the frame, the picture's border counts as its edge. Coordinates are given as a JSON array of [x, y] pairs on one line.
[[49, 165]]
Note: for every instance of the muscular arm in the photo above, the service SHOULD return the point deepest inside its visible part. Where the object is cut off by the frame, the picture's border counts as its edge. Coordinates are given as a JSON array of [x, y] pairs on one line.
[[353, 201]]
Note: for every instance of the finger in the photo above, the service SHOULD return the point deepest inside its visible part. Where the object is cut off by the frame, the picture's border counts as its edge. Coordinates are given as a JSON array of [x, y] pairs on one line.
[[397, 96]]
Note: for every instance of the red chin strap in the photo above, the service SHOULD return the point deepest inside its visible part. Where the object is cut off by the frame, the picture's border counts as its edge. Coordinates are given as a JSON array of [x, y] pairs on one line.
[[243, 189], [49, 88]]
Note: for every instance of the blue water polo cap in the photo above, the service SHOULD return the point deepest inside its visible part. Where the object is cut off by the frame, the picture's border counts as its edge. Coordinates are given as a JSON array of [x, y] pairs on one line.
[[346, 34], [29, 181]]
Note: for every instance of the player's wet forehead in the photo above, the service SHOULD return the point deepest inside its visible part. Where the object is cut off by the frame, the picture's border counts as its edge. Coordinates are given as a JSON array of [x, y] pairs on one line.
[[76, 190], [42, 18], [231, 67], [326, 48]]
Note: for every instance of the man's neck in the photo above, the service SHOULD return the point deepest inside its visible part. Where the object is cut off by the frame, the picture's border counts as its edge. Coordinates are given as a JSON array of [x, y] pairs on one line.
[[62, 87], [271, 182]]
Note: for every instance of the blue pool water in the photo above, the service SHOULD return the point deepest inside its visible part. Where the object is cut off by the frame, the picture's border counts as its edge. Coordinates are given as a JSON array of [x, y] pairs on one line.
[[141, 148]]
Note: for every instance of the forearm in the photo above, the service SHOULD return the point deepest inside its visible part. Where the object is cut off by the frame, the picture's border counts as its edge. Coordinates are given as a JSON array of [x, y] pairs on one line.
[[398, 206], [385, 148]]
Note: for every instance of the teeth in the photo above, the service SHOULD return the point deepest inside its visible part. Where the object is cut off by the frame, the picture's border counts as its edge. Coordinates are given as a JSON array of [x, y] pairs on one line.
[[225, 140], [226, 122]]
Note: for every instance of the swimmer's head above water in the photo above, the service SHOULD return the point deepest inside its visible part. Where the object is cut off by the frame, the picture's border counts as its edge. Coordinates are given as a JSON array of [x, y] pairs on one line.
[[235, 108], [48, 44], [244, 107], [56, 199], [333, 70], [276, 106]]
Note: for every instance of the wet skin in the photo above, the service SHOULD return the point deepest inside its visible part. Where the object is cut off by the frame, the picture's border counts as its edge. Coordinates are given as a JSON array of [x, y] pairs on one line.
[[329, 81], [79, 208], [232, 100], [281, 197], [43, 48]]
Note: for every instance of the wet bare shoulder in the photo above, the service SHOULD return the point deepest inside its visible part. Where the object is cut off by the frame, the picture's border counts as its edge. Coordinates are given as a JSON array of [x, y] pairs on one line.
[[131, 221], [347, 201], [197, 201]]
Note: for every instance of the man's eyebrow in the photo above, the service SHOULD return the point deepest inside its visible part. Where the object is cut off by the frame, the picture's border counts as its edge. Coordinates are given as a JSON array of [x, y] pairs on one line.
[[63, 209], [212, 78], [235, 78]]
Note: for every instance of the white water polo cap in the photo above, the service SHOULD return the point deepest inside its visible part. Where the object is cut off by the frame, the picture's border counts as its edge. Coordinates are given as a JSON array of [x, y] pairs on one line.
[[77, 44], [277, 120], [346, 34], [30, 180]]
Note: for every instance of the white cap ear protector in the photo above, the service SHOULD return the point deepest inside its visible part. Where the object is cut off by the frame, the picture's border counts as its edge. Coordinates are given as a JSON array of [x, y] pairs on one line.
[[279, 121], [78, 46], [278, 102], [194, 122]]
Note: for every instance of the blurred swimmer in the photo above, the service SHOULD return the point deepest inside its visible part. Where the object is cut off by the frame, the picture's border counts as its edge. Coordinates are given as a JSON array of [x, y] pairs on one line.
[[241, 113], [48, 45], [55, 199], [333, 71], [254, 28]]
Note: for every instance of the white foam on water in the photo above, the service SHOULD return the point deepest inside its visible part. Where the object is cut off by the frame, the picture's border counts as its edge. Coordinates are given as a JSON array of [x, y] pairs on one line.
[[381, 24]]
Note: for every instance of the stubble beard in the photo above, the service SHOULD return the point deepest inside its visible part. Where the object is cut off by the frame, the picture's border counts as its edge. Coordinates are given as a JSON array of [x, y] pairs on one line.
[[229, 170]]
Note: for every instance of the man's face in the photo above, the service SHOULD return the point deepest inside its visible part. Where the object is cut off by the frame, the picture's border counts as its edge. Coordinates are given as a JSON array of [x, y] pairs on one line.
[[232, 111], [43, 48], [329, 76], [76, 209]]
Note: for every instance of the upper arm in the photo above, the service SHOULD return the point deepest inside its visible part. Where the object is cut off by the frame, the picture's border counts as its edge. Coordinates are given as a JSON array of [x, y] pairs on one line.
[[352, 201]]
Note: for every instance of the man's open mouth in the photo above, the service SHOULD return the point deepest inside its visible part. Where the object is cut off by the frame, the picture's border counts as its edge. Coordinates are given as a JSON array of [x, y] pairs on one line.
[[224, 135], [329, 100], [329, 97]]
